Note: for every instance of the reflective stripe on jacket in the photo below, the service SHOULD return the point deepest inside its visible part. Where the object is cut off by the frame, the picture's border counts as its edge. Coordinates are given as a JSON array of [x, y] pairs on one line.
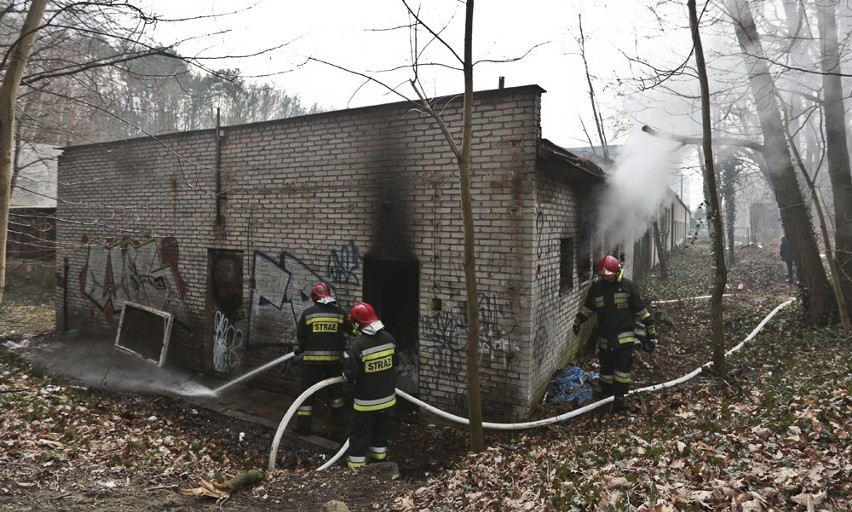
[[321, 334], [619, 306], [369, 362]]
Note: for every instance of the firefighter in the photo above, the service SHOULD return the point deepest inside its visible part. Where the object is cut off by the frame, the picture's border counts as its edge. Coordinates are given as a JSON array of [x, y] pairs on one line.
[[321, 336], [369, 363], [618, 305]]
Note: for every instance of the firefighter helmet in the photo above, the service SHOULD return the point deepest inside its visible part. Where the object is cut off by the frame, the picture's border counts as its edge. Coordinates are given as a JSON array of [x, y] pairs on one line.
[[608, 266], [321, 291], [362, 314]]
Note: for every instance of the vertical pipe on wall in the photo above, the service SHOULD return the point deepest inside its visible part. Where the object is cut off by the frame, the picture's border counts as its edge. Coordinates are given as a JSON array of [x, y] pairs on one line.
[[218, 170], [65, 295]]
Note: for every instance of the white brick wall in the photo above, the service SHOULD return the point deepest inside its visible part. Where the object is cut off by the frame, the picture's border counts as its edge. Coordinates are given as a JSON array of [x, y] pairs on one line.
[[308, 197]]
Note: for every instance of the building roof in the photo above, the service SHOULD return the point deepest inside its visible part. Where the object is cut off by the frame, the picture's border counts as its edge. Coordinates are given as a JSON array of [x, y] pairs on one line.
[[560, 160]]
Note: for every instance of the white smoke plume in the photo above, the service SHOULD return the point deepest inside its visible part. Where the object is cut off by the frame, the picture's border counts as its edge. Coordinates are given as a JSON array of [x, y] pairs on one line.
[[636, 186]]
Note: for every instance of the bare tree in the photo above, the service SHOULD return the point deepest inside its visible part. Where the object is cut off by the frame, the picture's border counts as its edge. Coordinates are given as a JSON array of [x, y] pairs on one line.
[[17, 63], [464, 158], [729, 174], [837, 153], [661, 252], [713, 215], [599, 126], [781, 174]]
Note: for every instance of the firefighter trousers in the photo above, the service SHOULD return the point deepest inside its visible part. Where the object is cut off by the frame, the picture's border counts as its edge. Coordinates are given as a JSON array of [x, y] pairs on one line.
[[368, 436], [311, 374], [616, 371]]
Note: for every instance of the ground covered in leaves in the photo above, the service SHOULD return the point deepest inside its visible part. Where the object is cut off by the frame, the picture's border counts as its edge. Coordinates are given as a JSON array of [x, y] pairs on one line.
[[773, 436]]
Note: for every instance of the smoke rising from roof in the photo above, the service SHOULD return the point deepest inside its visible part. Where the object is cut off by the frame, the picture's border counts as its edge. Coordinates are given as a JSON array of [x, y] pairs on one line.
[[636, 186]]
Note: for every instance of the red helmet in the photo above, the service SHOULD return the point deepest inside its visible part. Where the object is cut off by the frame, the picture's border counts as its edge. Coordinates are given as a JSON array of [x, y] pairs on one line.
[[320, 291], [362, 314], [608, 266]]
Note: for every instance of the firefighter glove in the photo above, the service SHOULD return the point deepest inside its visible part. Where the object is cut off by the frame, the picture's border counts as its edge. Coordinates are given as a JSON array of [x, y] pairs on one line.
[[576, 328], [649, 345]]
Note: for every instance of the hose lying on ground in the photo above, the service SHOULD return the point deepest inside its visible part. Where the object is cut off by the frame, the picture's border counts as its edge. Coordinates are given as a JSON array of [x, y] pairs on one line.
[[495, 426]]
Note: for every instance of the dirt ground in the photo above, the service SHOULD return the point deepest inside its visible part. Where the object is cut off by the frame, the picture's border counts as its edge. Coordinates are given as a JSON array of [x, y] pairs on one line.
[[71, 448]]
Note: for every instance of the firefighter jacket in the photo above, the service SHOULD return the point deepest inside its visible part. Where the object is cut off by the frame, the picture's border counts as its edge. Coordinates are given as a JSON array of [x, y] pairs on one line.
[[321, 334], [369, 363], [618, 306]]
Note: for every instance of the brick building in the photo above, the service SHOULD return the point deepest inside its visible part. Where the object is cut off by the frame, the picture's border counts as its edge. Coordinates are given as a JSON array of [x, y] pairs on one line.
[[227, 230]]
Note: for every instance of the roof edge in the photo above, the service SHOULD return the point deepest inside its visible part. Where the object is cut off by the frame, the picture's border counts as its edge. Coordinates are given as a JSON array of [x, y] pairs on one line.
[[487, 93], [551, 154]]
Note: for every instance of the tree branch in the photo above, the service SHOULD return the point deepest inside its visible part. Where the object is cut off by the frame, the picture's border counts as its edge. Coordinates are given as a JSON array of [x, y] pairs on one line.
[[691, 139]]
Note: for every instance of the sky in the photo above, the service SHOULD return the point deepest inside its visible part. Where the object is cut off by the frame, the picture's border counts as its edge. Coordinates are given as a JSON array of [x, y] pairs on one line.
[[368, 38]]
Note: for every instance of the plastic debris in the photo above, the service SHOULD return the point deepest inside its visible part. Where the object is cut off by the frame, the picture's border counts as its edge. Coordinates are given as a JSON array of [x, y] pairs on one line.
[[570, 384]]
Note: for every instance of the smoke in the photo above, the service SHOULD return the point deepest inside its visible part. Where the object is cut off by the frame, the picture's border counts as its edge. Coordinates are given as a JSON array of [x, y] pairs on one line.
[[644, 169]]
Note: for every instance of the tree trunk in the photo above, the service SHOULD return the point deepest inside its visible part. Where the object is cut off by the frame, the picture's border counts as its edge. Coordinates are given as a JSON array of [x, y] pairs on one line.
[[20, 54], [477, 438], [661, 254], [795, 217], [713, 206], [837, 154], [715, 220]]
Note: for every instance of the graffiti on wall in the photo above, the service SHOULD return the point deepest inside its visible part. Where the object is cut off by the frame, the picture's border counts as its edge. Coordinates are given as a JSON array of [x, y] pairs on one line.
[[545, 327], [226, 281], [227, 341], [547, 279], [445, 336], [282, 288], [145, 272], [495, 328], [343, 264]]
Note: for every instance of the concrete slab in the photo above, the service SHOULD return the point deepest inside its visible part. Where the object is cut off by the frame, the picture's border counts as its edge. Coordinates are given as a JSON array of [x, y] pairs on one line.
[[96, 363]]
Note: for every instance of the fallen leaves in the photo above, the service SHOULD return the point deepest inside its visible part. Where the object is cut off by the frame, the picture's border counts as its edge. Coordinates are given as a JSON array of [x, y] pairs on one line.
[[777, 438]]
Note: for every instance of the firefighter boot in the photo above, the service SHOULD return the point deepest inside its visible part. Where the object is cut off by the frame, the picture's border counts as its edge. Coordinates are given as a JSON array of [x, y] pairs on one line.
[[606, 391], [303, 425]]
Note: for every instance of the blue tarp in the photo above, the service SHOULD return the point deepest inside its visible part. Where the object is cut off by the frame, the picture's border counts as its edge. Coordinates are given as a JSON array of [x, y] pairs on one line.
[[569, 384]]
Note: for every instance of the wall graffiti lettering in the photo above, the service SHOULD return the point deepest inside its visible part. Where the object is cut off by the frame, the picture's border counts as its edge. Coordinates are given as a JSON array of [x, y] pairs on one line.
[[343, 264], [545, 328], [445, 335], [146, 272], [282, 288], [227, 341], [547, 279]]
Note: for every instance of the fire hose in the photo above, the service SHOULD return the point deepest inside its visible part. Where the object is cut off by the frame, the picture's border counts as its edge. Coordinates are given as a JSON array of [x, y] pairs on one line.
[[273, 454]]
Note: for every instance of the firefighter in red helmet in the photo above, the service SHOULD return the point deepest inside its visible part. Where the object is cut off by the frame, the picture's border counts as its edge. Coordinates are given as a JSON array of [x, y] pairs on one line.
[[321, 335], [370, 363], [618, 305]]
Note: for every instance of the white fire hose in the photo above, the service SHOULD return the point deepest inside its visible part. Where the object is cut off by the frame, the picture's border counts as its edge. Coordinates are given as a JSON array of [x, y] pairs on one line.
[[494, 426]]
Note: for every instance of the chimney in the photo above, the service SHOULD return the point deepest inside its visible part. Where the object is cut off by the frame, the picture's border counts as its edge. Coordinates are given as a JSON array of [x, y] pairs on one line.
[[501, 82]]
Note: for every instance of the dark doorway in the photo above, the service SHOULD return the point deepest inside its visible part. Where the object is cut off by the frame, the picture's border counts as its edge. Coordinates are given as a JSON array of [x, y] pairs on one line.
[[393, 288]]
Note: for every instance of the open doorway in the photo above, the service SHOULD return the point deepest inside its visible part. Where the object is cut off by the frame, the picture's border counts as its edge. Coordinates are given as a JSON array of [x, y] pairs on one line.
[[393, 288], [225, 310]]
